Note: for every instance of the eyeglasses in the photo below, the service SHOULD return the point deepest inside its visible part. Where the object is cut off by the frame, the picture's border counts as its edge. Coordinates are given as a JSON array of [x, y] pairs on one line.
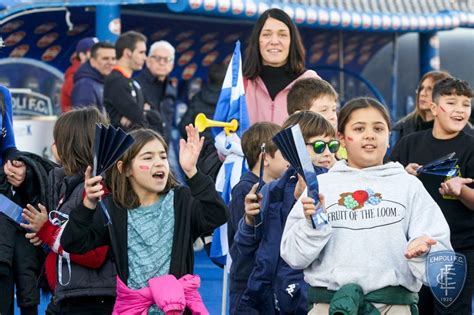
[[319, 146], [420, 89], [159, 58]]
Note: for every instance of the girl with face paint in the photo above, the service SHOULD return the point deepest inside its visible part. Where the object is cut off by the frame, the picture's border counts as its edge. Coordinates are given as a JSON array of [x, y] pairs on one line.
[[154, 220], [381, 223]]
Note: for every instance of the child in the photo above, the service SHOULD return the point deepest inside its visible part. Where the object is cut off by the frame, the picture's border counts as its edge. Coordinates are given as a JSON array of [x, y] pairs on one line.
[[87, 283], [274, 166], [315, 95], [272, 276], [451, 108], [154, 221], [382, 222]]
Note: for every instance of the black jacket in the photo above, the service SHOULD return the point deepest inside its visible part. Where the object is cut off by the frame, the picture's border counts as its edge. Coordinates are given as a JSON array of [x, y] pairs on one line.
[[203, 102], [161, 96], [197, 209], [123, 97], [67, 194], [408, 125], [88, 87], [24, 259]]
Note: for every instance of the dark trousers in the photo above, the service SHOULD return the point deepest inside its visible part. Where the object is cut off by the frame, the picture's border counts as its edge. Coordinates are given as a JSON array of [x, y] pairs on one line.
[[20, 264], [90, 305], [236, 307], [463, 304]]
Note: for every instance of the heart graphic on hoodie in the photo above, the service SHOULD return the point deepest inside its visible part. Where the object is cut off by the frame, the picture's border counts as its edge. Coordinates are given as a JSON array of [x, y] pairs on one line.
[[361, 196]]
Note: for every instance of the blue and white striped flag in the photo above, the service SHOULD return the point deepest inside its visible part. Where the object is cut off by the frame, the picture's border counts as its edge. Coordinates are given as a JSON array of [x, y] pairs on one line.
[[231, 105]]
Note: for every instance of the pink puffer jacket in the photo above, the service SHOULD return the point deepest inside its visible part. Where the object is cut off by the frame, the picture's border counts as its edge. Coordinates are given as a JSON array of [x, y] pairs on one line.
[[168, 293], [261, 107]]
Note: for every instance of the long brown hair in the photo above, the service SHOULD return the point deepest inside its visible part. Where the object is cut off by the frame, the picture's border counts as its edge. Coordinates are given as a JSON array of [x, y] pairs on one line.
[[253, 58], [435, 76], [74, 134], [118, 181]]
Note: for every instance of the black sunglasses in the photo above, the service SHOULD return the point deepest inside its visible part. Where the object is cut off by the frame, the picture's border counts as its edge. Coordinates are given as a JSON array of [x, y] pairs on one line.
[[319, 146]]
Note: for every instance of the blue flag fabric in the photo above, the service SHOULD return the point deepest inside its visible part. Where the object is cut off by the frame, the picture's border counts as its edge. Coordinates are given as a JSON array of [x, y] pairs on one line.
[[231, 105]]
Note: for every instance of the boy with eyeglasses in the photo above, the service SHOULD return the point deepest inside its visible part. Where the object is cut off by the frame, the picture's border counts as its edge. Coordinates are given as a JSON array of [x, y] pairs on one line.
[[451, 108], [312, 104]]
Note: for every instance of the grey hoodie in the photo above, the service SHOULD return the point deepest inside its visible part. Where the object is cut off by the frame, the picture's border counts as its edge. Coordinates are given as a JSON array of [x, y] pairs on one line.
[[373, 214]]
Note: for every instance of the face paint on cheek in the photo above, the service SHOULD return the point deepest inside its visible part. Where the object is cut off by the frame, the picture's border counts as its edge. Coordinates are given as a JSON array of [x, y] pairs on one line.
[[350, 139], [144, 167], [442, 109]]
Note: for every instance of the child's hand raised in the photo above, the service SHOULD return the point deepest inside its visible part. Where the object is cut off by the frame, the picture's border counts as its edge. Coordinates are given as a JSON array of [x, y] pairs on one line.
[[189, 150], [419, 246], [93, 189], [252, 205], [36, 218]]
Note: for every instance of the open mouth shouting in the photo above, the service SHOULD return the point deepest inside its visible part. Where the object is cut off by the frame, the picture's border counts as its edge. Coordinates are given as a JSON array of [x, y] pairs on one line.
[[159, 175]]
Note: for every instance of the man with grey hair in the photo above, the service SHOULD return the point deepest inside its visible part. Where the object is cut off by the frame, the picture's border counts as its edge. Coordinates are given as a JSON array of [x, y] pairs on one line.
[[160, 93]]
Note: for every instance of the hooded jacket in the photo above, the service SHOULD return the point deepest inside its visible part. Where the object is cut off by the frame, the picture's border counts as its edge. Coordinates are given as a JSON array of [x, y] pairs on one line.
[[373, 213], [197, 208], [91, 275], [15, 249], [260, 105], [66, 90], [88, 87]]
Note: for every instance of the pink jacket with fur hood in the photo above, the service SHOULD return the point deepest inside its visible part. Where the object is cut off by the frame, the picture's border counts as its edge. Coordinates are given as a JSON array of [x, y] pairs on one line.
[[261, 107]]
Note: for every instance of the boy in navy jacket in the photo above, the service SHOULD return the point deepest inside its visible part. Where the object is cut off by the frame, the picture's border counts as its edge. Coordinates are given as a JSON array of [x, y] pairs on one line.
[[274, 165]]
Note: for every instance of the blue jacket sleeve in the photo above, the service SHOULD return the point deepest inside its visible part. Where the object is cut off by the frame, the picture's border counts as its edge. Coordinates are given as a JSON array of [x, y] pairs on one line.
[[245, 237], [83, 94], [279, 201], [8, 140], [236, 211], [266, 257]]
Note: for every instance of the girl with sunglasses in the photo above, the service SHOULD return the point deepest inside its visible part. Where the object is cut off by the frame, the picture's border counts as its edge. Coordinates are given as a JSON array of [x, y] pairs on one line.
[[382, 223], [271, 276]]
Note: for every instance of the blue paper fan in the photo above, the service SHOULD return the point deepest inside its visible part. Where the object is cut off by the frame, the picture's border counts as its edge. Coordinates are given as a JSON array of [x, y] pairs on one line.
[[109, 145], [443, 166], [291, 143]]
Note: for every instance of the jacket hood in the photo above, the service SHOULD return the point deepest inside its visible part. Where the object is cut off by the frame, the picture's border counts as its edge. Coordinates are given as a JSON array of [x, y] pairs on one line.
[[385, 170], [86, 71], [249, 177]]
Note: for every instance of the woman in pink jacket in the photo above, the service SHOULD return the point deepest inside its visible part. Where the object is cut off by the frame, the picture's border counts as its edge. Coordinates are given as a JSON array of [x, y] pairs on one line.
[[274, 60]]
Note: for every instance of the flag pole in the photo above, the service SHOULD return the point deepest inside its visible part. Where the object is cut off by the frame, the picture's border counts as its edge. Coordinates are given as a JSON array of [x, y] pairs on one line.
[[225, 278]]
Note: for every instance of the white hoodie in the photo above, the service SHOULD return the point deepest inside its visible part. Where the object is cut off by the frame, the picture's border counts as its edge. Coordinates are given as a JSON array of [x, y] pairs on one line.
[[373, 214]]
